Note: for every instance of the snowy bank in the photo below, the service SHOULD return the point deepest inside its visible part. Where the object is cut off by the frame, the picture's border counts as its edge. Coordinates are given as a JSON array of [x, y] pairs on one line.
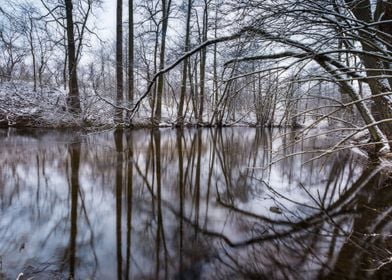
[[20, 106]]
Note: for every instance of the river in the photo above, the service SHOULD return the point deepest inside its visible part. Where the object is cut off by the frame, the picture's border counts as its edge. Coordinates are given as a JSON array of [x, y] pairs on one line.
[[232, 203]]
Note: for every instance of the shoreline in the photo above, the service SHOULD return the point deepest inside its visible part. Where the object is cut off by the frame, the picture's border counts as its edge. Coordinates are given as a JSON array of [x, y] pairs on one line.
[[27, 121]]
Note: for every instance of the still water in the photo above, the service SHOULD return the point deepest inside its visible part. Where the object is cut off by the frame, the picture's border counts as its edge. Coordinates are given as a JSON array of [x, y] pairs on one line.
[[189, 204]]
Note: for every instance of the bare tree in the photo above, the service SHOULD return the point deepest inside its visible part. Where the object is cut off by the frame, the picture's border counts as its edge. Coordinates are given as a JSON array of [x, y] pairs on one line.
[[73, 96], [180, 111], [12, 50], [131, 82], [203, 58], [75, 28], [119, 62], [165, 6]]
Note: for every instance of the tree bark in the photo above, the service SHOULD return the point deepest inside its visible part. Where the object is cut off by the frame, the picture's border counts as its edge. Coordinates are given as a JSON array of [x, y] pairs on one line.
[[32, 52], [119, 63], [382, 106], [130, 53], [203, 57], [180, 114], [73, 100], [165, 20], [215, 72]]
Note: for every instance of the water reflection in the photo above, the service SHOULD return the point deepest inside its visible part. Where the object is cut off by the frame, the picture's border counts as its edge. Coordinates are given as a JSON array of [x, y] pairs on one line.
[[74, 158], [184, 204]]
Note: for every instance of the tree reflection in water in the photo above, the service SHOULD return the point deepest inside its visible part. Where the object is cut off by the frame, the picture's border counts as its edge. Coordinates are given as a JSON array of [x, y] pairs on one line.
[[188, 204]]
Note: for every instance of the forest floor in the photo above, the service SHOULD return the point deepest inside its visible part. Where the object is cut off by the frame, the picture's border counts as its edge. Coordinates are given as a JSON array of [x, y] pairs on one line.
[[20, 106]]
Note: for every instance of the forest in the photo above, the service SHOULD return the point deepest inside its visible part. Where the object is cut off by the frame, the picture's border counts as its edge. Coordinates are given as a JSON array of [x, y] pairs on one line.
[[195, 139]]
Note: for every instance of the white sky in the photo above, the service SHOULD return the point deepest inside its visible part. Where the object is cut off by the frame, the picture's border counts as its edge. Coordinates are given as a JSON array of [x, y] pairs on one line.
[[107, 18]]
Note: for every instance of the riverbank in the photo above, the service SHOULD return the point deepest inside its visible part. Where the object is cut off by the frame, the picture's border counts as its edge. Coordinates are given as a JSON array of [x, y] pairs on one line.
[[21, 106]]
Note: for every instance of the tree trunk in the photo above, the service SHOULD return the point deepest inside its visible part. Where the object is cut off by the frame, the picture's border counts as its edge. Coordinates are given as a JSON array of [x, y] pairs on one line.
[[165, 19], [203, 57], [383, 13], [73, 100], [382, 106], [32, 52], [154, 88], [180, 114], [130, 53], [65, 63], [119, 64], [215, 74]]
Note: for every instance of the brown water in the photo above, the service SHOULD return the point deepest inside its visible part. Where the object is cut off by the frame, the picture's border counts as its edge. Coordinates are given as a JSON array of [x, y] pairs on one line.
[[186, 204]]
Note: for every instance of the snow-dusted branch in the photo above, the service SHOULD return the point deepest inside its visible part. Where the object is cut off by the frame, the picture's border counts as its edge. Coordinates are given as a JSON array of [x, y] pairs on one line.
[[207, 43]]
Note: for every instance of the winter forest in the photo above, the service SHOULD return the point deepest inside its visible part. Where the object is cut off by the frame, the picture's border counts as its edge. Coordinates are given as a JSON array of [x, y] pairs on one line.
[[195, 139], [261, 63]]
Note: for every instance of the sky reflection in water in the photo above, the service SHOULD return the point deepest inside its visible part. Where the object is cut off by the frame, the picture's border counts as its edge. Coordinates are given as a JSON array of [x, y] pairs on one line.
[[185, 204]]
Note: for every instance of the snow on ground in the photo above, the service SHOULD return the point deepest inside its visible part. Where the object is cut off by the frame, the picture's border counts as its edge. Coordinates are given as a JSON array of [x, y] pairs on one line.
[[46, 107]]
